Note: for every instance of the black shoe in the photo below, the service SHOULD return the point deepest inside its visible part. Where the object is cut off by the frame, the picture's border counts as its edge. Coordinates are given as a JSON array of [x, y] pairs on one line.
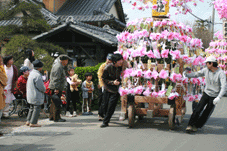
[[104, 125], [60, 120]]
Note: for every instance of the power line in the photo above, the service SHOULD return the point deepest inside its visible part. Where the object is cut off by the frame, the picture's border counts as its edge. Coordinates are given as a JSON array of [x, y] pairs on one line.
[[203, 19]]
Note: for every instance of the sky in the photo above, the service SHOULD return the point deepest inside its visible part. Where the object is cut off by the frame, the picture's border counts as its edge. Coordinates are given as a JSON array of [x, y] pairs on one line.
[[203, 10]]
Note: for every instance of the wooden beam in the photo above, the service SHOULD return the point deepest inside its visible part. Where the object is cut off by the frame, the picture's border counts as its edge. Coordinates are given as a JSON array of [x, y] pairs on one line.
[[87, 54], [147, 99]]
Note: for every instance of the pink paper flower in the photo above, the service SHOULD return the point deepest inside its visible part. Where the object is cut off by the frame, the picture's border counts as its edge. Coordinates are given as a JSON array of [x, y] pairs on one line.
[[155, 94], [165, 53], [163, 74], [147, 92], [161, 93], [157, 54], [139, 90], [123, 91], [150, 54], [175, 54], [127, 72], [154, 74], [147, 74]]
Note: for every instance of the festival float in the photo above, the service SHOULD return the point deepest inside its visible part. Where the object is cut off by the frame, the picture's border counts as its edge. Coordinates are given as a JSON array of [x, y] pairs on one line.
[[157, 50]]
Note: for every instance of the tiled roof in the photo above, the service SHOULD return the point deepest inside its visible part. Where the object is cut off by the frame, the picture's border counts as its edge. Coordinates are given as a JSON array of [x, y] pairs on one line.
[[49, 17], [104, 35], [88, 10], [18, 21], [85, 7]]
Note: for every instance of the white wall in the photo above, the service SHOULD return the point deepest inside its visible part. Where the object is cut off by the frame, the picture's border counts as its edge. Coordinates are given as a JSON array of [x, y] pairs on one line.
[[113, 11]]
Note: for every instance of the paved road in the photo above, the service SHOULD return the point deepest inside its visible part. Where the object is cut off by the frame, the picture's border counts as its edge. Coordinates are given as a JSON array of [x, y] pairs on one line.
[[83, 133]]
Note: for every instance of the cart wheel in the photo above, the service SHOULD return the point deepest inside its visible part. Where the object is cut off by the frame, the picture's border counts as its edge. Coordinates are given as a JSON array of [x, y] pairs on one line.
[[26, 112], [20, 113], [171, 120], [131, 116]]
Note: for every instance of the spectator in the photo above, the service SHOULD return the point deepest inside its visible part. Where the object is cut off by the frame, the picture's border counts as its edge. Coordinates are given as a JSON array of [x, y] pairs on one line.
[[30, 58], [22, 80], [12, 74], [35, 94], [112, 81], [3, 83], [214, 90], [57, 85], [72, 95], [101, 85], [87, 88]]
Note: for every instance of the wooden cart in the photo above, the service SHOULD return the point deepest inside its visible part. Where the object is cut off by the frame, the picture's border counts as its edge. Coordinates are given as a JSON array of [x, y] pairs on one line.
[[132, 105]]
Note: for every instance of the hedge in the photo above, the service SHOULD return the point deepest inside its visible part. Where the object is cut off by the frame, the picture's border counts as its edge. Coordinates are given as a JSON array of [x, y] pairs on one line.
[[80, 71]]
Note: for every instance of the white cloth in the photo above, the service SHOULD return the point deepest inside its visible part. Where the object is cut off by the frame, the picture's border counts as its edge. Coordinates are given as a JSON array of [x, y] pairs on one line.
[[9, 95], [28, 63]]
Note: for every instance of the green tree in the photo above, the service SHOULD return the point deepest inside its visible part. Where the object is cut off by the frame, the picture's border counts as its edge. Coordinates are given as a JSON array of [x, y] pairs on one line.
[[201, 31], [32, 21], [19, 43]]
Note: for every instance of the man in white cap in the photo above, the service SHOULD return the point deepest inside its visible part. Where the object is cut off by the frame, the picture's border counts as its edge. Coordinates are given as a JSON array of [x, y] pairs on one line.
[[215, 80]]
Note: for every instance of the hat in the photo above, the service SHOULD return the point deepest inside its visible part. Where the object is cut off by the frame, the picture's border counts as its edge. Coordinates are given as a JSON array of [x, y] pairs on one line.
[[109, 56], [116, 57], [64, 57], [37, 64], [24, 69], [210, 59]]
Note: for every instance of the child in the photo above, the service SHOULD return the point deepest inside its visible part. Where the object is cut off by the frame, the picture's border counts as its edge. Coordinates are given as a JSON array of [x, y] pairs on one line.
[[71, 95], [87, 88]]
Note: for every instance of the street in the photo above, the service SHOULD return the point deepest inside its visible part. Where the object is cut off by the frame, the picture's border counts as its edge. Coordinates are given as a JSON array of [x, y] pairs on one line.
[[84, 133]]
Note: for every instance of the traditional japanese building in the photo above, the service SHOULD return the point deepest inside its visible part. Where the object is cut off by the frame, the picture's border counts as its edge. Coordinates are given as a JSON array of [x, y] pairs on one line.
[[86, 29]]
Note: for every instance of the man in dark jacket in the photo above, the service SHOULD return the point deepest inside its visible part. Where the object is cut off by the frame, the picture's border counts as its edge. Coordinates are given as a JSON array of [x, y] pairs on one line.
[[112, 81], [57, 85]]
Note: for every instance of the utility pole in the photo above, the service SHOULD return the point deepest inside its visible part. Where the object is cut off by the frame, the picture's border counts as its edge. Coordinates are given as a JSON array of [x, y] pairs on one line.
[[212, 28]]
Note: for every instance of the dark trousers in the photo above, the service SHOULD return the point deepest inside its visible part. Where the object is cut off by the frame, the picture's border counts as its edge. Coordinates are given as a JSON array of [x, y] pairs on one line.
[[74, 97], [111, 103], [55, 110], [33, 114], [100, 98], [198, 119]]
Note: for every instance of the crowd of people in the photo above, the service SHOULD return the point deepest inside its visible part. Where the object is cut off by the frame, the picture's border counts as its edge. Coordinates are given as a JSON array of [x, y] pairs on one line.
[[31, 85]]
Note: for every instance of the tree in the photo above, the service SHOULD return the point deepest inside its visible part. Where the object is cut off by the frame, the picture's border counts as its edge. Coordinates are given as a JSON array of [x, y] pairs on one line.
[[201, 31], [32, 21]]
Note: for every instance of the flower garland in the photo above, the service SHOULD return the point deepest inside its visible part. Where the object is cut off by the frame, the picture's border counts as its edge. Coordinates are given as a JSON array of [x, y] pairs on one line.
[[221, 7], [181, 5], [149, 38], [218, 49]]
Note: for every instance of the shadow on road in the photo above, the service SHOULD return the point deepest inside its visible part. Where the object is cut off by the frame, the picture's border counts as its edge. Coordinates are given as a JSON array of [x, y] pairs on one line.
[[33, 147]]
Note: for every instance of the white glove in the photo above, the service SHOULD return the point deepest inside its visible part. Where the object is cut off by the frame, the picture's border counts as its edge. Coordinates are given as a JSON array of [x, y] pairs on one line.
[[216, 100], [102, 89]]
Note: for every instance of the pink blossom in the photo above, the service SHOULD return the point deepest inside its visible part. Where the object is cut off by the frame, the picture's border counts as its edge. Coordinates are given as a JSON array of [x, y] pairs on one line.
[[139, 90], [157, 54], [154, 7], [150, 54], [175, 54], [154, 74], [165, 53], [123, 91], [155, 94], [161, 93], [147, 74], [163, 74], [127, 72], [147, 92], [191, 98]]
